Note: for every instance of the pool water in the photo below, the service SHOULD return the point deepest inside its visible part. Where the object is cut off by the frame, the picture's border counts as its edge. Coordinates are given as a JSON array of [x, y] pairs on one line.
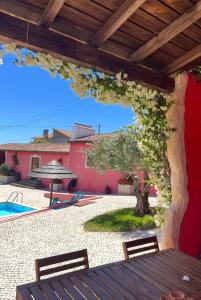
[[8, 208]]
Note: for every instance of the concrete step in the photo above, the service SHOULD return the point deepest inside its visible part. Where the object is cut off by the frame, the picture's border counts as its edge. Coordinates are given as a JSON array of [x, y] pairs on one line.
[[29, 183]]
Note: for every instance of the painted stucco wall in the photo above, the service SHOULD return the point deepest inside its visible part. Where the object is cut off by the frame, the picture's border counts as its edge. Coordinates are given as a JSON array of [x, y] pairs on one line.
[[190, 232], [24, 166], [88, 179]]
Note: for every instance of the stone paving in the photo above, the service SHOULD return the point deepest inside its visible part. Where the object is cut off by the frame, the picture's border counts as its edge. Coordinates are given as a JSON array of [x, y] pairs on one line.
[[55, 232]]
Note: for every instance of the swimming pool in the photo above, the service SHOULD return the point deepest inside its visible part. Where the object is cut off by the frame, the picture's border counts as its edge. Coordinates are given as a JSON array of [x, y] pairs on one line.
[[8, 209]]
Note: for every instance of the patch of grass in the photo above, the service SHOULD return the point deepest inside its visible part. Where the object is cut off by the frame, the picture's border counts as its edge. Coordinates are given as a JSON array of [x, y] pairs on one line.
[[119, 220]]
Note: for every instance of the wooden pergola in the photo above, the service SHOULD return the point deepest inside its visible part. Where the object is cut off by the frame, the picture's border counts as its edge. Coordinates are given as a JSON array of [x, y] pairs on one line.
[[147, 39], [150, 40]]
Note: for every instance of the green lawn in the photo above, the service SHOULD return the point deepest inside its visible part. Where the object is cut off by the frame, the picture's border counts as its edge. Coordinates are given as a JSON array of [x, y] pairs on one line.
[[119, 220]]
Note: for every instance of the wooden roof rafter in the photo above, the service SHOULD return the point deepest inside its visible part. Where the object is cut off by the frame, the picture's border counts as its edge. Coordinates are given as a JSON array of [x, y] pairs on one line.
[[33, 15], [115, 21], [68, 49], [22, 10], [106, 34], [183, 60], [51, 11], [168, 33]]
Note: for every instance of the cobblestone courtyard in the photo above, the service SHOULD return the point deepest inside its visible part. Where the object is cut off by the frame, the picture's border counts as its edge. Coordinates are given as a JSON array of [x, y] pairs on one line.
[[55, 232]]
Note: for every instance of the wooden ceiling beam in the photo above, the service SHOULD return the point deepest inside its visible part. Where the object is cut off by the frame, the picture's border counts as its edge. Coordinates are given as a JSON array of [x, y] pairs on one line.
[[183, 60], [21, 10], [168, 33], [32, 14], [50, 12], [70, 50], [115, 21]]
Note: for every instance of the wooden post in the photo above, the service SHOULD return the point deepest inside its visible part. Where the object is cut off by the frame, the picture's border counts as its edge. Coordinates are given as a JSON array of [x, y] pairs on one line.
[[177, 160], [51, 192]]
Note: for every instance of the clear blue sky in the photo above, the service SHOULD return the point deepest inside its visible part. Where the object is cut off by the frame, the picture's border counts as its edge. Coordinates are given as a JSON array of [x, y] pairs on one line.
[[31, 98]]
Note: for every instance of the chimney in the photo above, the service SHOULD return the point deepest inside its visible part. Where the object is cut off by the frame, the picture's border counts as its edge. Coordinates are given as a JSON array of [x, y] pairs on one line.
[[45, 134], [80, 131]]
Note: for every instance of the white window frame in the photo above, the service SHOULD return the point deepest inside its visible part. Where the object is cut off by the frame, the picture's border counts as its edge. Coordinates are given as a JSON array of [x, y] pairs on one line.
[[30, 162], [85, 162]]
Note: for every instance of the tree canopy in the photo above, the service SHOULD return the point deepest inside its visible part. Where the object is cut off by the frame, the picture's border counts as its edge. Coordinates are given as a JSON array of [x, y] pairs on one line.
[[119, 152]]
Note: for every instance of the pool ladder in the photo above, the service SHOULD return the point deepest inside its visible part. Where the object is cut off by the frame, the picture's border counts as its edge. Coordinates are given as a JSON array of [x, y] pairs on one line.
[[15, 196]]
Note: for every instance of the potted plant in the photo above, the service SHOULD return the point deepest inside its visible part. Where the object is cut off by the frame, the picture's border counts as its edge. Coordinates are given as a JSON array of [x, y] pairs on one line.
[[126, 185], [6, 174]]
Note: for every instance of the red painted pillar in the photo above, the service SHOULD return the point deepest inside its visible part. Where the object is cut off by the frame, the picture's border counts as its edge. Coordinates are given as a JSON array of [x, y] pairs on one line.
[[190, 232]]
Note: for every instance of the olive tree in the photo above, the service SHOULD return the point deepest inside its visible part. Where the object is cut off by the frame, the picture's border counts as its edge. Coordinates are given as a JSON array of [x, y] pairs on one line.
[[120, 152]]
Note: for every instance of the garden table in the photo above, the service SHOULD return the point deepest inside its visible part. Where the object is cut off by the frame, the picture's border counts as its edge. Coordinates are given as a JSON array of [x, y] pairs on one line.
[[142, 278]]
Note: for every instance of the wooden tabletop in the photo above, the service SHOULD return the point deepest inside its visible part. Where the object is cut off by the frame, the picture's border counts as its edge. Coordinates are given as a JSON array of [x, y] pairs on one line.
[[142, 278]]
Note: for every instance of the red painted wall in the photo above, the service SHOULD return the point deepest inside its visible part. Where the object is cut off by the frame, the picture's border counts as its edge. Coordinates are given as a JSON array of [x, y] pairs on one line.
[[190, 234], [25, 161], [88, 179]]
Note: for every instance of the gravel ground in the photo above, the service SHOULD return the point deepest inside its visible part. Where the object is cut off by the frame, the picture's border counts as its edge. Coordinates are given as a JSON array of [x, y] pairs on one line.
[[55, 232]]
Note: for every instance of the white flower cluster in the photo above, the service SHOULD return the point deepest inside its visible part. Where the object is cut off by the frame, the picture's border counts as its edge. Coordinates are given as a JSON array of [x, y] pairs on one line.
[[10, 48]]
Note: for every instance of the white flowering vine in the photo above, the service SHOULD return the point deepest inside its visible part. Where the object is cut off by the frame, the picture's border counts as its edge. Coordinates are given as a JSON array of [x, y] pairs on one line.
[[149, 105]]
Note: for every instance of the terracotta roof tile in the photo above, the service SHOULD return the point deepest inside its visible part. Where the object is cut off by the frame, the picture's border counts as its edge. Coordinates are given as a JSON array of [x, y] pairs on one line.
[[36, 147]]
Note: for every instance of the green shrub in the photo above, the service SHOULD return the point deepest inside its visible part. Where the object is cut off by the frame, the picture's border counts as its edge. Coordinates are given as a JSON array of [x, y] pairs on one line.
[[5, 170]]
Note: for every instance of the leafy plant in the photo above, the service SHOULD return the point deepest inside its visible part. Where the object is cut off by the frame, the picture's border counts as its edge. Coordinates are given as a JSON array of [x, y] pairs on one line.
[[5, 170], [197, 70], [39, 141], [127, 180], [15, 159]]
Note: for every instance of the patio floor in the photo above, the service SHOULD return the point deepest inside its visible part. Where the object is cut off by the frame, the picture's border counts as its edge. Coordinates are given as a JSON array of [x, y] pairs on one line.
[[55, 232]]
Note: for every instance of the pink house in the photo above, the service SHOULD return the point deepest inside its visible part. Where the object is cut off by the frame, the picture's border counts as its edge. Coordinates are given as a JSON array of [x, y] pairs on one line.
[[69, 153]]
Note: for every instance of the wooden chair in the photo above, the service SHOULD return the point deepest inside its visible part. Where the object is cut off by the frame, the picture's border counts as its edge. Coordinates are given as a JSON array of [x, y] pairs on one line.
[[80, 257], [140, 247]]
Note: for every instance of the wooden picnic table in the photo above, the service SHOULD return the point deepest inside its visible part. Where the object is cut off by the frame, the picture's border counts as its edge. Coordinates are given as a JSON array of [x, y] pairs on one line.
[[142, 278]]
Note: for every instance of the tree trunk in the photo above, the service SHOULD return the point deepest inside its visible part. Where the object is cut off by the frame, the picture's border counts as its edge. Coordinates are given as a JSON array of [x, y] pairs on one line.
[[142, 207], [142, 194], [177, 160]]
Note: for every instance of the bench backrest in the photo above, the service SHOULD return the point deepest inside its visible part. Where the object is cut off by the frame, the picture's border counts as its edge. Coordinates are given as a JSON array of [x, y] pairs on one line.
[[140, 247], [67, 261]]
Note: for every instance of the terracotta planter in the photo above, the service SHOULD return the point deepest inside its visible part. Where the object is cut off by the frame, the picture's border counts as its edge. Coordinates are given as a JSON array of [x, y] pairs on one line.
[[126, 189], [7, 179]]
